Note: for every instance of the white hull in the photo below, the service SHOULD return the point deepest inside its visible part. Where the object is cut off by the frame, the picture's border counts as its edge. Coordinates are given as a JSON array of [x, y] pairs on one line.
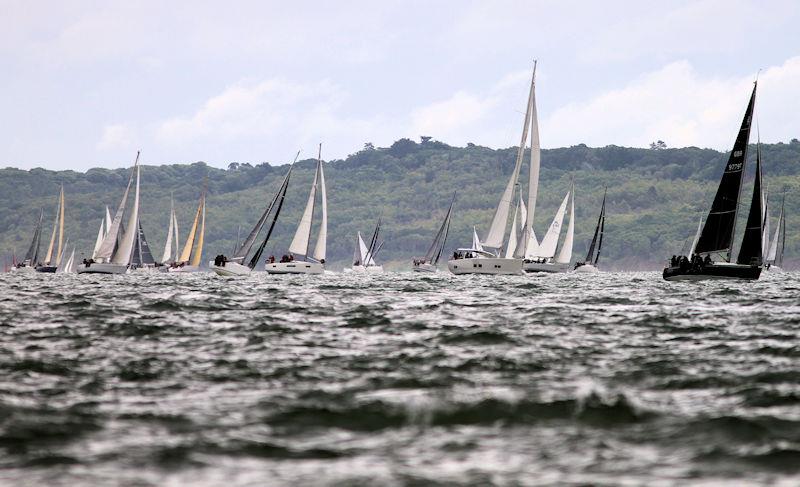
[[485, 265], [230, 269], [185, 269], [102, 268], [587, 269], [547, 267], [360, 269], [23, 270], [295, 267], [430, 268]]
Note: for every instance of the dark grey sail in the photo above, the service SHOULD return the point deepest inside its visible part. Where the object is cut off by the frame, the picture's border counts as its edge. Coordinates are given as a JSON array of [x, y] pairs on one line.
[[591, 258], [782, 231], [280, 196], [141, 249], [435, 250], [241, 254], [718, 231], [750, 252], [373, 243], [32, 255]]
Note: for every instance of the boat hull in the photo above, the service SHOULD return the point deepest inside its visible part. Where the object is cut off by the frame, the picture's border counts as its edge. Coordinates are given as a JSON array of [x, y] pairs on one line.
[[429, 268], [230, 269], [713, 271], [485, 265], [547, 267], [295, 267], [50, 269], [587, 269], [102, 268]]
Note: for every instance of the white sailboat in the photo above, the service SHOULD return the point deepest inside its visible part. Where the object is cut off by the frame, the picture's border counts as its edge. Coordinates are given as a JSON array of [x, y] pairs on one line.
[[543, 258], [113, 256], [774, 260], [431, 259], [479, 261], [364, 256], [28, 264], [53, 257], [190, 257], [172, 244], [239, 265], [309, 264]]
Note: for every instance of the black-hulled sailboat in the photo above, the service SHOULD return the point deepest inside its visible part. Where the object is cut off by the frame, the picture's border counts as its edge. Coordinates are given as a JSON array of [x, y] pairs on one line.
[[593, 256], [428, 263], [716, 238]]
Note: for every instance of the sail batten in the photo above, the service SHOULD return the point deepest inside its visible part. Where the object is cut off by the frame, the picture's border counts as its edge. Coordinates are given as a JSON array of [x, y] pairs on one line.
[[720, 225]]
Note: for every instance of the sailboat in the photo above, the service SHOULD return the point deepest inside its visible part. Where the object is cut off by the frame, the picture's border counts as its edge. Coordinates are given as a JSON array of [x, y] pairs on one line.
[[53, 257], [428, 263], [28, 264], [172, 244], [239, 265], [542, 257], [774, 260], [114, 254], [189, 259], [589, 265], [310, 264], [364, 256], [142, 258], [718, 232], [477, 260]]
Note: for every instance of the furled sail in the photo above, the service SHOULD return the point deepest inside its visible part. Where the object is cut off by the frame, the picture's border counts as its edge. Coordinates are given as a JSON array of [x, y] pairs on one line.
[[750, 252], [321, 248], [497, 230], [533, 175], [547, 248], [125, 249], [717, 234], [565, 254], [302, 237], [106, 251]]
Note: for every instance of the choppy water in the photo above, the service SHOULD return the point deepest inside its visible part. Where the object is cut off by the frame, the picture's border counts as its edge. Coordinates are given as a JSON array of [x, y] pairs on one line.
[[398, 379]]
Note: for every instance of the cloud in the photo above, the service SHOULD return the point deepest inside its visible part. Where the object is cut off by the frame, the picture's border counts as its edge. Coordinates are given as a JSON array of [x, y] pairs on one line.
[[116, 136], [677, 105]]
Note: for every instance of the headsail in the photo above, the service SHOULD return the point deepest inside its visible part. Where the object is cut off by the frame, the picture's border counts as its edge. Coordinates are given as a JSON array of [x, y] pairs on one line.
[[590, 255], [198, 250], [533, 176], [125, 249], [167, 255], [772, 255], [360, 250], [547, 249], [186, 253], [106, 251], [280, 196], [750, 252], [476, 242], [435, 250], [696, 237], [565, 254], [100, 234], [718, 231], [302, 237], [141, 250], [32, 255]]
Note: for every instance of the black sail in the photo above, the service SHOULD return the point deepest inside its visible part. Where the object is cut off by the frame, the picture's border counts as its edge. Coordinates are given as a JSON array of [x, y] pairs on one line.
[[435, 250], [717, 234], [600, 220], [33, 251], [750, 252], [280, 196]]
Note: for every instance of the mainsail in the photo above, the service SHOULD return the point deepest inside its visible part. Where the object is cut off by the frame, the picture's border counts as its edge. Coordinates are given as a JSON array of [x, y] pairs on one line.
[[186, 253], [167, 255], [373, 244], [107, 248], [125, 249], [32, 256], [302, 237], [58, 229], [101, 232], [198, 250], [435, 250], [750, 252], [717, 234], [280, 196], [322, 237], [527, 238], [565, 254], [598, 232], [141, 249]]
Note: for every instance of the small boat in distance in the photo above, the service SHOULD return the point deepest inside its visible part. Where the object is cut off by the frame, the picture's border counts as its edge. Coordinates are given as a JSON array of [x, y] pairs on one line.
[[142, 259], [114, 254], [428, 263], [544, 258], [716, 237], [28, 264], [774, 261], [53, 257], [172, 244], [593, 256], [364, 256], [238, 265], [189, 259], [309, 264]]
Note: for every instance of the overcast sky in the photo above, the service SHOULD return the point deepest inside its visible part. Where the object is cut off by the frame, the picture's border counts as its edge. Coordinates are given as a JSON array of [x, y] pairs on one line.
[[85, 84]]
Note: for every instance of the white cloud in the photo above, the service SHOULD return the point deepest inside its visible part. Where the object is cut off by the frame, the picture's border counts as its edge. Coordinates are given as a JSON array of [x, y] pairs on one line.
[[677, 105], [116, 136]]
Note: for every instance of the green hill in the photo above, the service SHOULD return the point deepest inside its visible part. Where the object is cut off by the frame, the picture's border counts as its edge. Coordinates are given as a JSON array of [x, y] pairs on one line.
[[655, 197]]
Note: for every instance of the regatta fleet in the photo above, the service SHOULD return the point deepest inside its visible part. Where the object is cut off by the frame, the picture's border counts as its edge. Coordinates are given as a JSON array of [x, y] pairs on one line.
[[508, 247]]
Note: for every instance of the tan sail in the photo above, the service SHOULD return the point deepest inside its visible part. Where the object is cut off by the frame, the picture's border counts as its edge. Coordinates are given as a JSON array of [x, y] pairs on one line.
[[186, 253], [58, 222], [60, 228], [198, 252]]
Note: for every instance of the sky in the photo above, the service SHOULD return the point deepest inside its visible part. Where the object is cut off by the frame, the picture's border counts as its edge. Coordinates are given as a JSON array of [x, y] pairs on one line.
[[87, 83]]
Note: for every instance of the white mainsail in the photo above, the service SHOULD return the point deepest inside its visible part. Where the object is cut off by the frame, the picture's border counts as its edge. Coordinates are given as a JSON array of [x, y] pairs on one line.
[[565, 254], [302, 236], [322, 237], [101, 232], [168, 246], [106, 251], [547, 248], [696, 236], [123, 254], [533, 175]]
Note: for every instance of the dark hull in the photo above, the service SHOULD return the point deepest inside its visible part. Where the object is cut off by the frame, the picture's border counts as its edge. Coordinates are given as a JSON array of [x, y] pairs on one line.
[[730, 271], [46, 268]]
